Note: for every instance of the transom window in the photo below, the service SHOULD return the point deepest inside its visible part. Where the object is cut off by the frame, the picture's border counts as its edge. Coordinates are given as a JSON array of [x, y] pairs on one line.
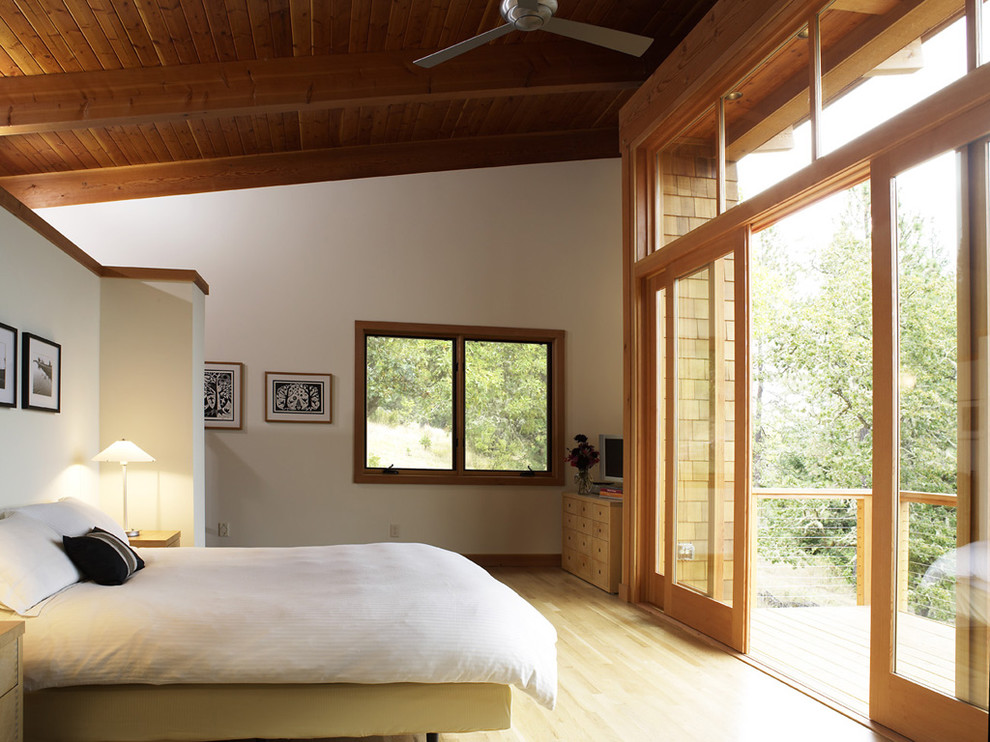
[[445, 404]]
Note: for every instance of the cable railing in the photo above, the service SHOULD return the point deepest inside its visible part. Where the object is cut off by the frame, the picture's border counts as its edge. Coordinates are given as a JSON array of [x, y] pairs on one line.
[[814, 549], [926, 567]]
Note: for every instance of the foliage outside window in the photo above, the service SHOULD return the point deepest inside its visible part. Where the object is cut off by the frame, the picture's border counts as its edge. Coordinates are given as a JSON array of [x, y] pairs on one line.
[[812, 392], [444, 404]]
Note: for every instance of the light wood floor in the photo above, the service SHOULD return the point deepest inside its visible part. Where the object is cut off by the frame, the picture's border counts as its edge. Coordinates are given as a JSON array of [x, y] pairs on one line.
[[626, 675]]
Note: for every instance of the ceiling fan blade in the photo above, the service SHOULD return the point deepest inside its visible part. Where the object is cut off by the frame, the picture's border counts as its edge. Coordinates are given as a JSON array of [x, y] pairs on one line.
[[620, 41], [431, 60]]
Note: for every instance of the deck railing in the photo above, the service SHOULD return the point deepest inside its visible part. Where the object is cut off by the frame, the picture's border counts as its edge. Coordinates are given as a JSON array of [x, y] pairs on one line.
[[835, 546]]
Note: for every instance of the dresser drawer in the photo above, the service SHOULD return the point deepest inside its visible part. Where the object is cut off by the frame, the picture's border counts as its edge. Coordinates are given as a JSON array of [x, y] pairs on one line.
[[577, 541], [10, 717], [578, 523], [8, 666], [601, 513], [601, 575], [577, 564], [601, 530], [599, 550], [577, 507]]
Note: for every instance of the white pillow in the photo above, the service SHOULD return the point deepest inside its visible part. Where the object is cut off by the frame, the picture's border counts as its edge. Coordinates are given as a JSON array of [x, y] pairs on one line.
[[33, 564], [71, 517]]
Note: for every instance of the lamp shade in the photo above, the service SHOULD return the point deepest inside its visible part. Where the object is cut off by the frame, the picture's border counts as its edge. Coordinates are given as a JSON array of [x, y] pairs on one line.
[[123, 452]]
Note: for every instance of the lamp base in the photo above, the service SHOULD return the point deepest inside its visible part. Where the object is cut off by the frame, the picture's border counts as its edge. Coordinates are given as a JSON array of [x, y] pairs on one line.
[[133, 533]]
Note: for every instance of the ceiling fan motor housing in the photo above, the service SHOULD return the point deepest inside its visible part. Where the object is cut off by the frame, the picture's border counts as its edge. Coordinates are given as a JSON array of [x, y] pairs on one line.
[[525, 19]]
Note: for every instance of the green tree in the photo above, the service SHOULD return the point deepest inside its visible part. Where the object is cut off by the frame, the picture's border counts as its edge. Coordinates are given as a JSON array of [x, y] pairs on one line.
[[812, 389]]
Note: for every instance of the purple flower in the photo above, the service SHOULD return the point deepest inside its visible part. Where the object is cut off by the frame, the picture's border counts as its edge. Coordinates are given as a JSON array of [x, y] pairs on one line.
[[583, 455]]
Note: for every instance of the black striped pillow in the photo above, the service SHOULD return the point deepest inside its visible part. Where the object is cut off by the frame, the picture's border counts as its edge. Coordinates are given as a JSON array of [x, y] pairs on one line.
[[102, 557]]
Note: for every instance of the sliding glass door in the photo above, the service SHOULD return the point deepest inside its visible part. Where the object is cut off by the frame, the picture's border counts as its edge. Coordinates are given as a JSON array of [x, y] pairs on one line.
[[930, 641], [698, 571]]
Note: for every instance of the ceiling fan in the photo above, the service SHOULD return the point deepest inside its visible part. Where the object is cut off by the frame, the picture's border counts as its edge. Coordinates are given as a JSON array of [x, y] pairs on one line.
[[530, 15]]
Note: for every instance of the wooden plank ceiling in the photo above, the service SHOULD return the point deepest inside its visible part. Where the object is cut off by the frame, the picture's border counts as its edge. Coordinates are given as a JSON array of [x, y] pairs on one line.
[[112, 99]]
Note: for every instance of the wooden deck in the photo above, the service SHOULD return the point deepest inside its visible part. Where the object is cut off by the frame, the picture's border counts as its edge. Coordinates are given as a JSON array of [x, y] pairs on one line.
[[827, 648]]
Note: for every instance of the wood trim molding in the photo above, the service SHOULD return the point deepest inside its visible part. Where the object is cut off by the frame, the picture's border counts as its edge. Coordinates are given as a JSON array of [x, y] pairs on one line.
[[18, 209], [157, 274], [459, 474], [966, 102], [730, 40]]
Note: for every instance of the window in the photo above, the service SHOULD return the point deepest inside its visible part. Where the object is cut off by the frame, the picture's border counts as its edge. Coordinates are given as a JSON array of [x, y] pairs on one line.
[[441, 404]]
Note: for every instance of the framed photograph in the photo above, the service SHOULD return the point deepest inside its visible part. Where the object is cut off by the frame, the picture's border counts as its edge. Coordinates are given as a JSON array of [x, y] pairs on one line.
[[222, 398], [41, 373], [8, 366], [298, 398]]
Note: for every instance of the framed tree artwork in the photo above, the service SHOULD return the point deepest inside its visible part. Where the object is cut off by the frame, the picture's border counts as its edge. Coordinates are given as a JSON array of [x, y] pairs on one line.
[[222, 398], [41, 374], [8, 366], [298, 398]]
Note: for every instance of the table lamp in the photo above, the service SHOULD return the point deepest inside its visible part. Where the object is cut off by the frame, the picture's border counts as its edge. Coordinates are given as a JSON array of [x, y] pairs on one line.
[[124, 452]]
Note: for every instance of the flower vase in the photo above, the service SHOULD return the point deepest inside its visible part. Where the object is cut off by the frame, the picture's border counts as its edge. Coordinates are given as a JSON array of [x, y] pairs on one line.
[[583, 479]]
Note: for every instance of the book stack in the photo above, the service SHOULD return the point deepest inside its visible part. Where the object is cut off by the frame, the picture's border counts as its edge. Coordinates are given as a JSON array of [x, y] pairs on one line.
[[610, 490]]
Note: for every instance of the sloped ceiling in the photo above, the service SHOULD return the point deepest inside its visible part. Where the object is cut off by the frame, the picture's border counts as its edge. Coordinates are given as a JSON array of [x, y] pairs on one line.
[[111, 99]]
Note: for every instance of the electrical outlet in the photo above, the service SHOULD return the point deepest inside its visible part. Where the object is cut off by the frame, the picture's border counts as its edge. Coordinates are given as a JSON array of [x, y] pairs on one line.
[[685, 550], [223, 530], [393, 530]]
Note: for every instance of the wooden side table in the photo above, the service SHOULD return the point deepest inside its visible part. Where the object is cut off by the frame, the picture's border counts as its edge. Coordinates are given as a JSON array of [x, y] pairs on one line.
[[156, 539], [11, 682]]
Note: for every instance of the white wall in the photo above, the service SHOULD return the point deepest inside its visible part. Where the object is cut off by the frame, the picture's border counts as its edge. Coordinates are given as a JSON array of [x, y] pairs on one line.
[[44, 456], [151, 392], [290, 269]]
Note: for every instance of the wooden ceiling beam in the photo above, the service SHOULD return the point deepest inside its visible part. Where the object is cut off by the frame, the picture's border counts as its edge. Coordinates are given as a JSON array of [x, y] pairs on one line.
[[54, 102], [342, 163]]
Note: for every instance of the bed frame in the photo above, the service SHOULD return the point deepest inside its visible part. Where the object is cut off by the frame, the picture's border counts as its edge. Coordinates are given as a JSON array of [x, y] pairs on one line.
[[204, 713]]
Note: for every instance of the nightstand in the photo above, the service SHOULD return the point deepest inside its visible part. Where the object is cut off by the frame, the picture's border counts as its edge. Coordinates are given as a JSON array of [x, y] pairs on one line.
[[11, 682], [156, 539]]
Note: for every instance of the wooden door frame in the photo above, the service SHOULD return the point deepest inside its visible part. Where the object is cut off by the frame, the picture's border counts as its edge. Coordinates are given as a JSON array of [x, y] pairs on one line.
[[894, 700], [728, 624]]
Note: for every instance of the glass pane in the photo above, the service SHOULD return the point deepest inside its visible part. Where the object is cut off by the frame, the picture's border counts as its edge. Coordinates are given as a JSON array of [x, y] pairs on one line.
[[705, 339], [811, 400], [767, 130], [985, 33], [869, 74], [659, 558], [506, 406], [927, 615], [409, 403], [812, 349], [688, 169]]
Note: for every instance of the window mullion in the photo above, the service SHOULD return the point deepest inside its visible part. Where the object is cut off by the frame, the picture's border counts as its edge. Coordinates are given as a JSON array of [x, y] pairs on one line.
[[459, 397]]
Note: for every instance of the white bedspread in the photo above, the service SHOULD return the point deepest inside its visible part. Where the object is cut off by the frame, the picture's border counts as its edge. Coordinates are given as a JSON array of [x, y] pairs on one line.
[[373, 613]]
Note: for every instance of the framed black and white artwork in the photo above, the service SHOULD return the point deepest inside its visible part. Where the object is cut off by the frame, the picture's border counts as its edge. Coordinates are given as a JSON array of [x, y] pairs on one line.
[[41, 373], [8, 366], [222, 399], [298, 398]]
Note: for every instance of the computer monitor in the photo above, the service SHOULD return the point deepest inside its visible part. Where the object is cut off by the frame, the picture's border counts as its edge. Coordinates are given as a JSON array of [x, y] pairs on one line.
[[610, 458]]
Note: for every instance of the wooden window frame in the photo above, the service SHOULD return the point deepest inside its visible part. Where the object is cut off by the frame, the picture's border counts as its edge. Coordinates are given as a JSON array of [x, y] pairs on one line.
[[554, 476]]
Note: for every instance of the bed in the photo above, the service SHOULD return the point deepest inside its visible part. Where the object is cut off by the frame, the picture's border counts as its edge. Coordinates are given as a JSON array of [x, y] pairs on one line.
[[278, 643]]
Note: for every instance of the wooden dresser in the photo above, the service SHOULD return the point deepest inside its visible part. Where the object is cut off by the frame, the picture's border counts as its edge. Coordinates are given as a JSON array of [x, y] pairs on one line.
[[592, 539], [11, 682]]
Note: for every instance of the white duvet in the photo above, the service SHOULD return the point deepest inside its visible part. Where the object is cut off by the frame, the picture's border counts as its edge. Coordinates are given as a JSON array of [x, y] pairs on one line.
[[371, 613]]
